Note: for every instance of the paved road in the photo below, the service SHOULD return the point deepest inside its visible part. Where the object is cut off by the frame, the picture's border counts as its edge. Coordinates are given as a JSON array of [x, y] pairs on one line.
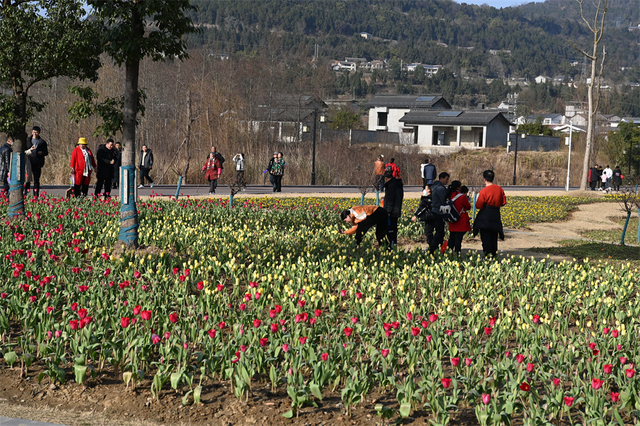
[[170, 190], [6, 421]]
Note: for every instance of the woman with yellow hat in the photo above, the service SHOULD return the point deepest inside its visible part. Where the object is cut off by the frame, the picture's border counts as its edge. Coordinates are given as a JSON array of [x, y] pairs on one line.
[[82, 163]]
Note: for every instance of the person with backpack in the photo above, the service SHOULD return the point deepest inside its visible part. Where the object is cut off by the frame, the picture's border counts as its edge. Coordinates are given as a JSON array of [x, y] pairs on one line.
[[395, 170], [616, 180], [460, 227], [239, 160], [424, 213], [439, 197]]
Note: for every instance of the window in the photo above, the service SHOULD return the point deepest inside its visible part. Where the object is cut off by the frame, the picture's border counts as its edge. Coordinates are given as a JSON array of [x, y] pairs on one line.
[[382, 118]]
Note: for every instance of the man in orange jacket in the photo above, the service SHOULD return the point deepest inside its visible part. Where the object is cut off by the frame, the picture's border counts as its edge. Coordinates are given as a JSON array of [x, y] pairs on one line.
[[364, 217]]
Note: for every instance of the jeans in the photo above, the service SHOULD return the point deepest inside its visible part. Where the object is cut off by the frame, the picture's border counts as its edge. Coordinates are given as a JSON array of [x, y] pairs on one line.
[[392, 231], [438, 238], [145, 174], [379, 183]]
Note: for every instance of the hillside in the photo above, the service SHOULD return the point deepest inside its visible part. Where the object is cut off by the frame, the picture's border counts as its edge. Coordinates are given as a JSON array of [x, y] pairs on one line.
[[525, 41]]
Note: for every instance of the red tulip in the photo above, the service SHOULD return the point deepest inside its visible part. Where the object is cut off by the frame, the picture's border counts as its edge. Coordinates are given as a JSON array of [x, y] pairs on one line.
[[519, 358], [615, 333], [630, 372], [137, 310], [176, 270], [301, 303], [146, 315], [556, 381], [425, 324], [536, 319], [212, 333], [285, 347], [568, 401], [155, 339], [449, 332], [343, 293], [219, 287], [433, 318], [317, 313], [303, 340], [74, 307], [486, 398], [348, 331], [136, 274], [395, 325], [274, 328], [429, 338], [247, 297], [354, 320], [446, 382], [409, 316], [615, 396], [173, 318], [384, 352], [507, 354], [524, 386], [167, 335], [623, 360], [264, 341], [492, 321], [256, 323], [596, 383], [200, 285], [592, 346], [468, 361], [595, 352], [221, 325], [619, 347], [415, 331], [125, 321], [73, 324], [487, 331], [605, 330], [530, 367], [272, 313], [82, 313], [455, 361], [607, 369], [325, 356], [358, 295], [49, 309]]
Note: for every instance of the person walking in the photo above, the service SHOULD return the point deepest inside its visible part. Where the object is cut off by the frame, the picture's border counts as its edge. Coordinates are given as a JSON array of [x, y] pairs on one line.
[[5, 163], [239, 160], [145, 165], [438, 199], [36, 151], [378, 171], [488, 221], [609, 174], [82, 164], [212, 171], [105, 159], [393, 197], [269, 170], [616, 179], [423, 213], [463, 225], [394, 168], [117, 150], [219, 156], [594, 178], [277, 170], [428, 171], [363, 218]]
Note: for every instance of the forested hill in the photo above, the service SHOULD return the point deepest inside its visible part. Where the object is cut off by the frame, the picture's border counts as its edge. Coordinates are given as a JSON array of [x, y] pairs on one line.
[[525, 41]]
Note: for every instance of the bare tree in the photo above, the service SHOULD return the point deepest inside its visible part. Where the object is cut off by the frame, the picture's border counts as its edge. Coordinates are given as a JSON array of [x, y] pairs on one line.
[[596, 27]]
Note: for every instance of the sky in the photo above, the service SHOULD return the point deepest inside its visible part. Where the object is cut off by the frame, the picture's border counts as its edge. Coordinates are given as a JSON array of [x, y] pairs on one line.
[[495, 3]]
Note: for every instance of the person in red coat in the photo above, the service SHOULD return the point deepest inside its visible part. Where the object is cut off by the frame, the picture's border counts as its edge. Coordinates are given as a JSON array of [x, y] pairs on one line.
[[212, 170], [82, 164], [463, 225]]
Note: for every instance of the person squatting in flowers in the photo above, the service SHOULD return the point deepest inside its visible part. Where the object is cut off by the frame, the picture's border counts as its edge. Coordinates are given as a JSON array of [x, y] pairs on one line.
[[364, 217]]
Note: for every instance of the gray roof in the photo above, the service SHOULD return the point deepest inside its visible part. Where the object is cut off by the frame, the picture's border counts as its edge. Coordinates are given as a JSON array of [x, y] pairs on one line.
[[409, 101], [464, 118]]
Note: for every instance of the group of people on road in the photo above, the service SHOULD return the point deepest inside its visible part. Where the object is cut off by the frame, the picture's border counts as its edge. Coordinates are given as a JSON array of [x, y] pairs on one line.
[[106, 163], [437, 200], [605, 179], [36, 150]]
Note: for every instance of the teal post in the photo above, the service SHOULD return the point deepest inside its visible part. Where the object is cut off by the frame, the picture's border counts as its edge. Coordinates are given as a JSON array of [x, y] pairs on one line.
[[16, 183], [362, 200], [377, 197], [128, 209], [178, 188], [473, 214], [624, 230], [231, 200]]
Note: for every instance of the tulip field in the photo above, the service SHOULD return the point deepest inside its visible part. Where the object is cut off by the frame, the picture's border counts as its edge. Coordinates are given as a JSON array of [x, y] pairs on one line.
[[266, 302]]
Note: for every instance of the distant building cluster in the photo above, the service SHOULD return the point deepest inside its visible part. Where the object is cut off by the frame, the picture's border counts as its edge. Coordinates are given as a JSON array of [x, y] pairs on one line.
[[355, 64]]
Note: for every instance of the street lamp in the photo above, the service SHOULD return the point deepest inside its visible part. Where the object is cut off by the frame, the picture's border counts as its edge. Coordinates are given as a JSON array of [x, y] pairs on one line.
[[305, 129], [569, 161], [515, 157]]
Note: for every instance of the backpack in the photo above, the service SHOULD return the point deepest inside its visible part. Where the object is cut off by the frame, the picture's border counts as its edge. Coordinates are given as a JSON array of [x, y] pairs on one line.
[[448, 211]]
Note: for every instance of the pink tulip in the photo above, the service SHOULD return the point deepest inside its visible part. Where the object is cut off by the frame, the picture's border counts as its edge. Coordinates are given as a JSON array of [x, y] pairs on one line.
[[486, 398]]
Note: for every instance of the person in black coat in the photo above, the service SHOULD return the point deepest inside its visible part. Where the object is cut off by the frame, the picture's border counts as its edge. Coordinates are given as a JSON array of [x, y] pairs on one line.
[[5, 163], [105, 159], [36, 151], [424, 213], [117, 149], [616, 180], [393, 196], [145, 165]]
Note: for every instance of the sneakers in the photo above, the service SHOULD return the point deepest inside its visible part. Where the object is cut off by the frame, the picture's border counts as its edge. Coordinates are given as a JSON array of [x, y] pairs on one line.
[[151, 185], [141, 186]]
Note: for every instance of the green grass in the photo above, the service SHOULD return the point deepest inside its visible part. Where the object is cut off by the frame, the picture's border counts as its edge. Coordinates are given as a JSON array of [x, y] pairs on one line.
[[579, 249], [615, 235]]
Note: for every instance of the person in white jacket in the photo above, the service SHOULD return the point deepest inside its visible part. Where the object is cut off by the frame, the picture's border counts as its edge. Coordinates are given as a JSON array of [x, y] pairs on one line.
[[609, 174], [239, 160]]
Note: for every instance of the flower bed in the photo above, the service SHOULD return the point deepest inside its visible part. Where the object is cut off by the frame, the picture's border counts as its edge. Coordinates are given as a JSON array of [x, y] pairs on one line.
[[272, 293]]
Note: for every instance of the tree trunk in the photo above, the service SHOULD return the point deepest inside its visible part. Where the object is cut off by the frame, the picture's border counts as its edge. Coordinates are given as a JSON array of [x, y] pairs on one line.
[[128, 210], [590, 123], [18, 158]]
